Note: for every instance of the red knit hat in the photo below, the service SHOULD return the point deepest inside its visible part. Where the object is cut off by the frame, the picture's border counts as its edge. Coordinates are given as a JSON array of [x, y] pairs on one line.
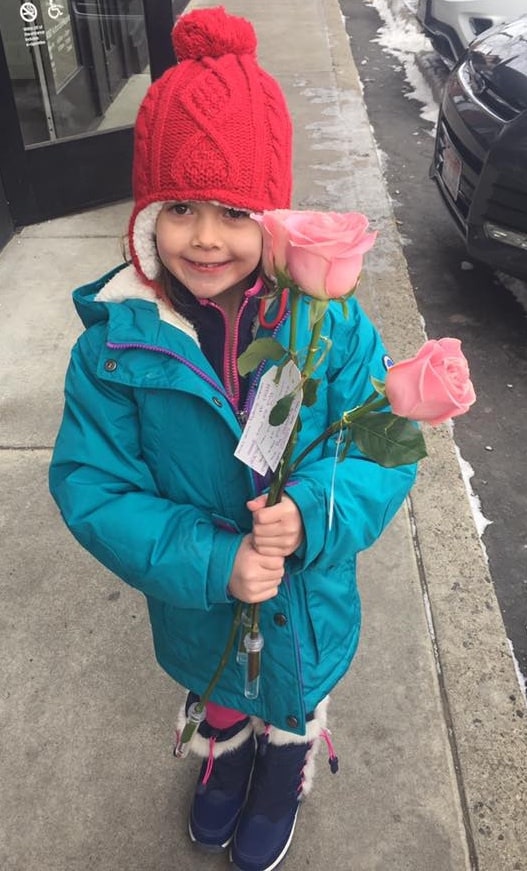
[[215, 127]]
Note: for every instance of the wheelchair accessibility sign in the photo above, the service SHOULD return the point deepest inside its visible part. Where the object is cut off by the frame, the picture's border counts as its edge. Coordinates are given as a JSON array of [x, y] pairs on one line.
[[55, 10], [34, 33]]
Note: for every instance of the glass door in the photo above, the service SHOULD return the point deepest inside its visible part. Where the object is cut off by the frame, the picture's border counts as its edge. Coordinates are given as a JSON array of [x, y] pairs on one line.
[[73, 73]]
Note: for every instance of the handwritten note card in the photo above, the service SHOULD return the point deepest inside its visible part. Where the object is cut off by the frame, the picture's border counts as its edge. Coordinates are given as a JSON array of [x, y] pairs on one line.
[[262, 445]]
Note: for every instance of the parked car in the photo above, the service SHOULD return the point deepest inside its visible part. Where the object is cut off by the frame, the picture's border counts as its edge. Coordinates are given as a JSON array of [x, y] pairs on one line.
[[451, 25], [480, 156]]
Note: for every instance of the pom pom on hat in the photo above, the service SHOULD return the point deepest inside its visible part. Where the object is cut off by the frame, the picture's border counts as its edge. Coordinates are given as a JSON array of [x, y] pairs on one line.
[[214, 127], [212, 33]]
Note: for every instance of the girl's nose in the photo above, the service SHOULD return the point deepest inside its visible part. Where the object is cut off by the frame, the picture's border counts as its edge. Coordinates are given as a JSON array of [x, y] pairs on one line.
[[206, 233]]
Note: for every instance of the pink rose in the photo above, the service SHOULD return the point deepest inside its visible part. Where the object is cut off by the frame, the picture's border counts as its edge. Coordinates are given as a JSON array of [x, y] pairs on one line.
[[274, 232], [321, 252], [432, 386]]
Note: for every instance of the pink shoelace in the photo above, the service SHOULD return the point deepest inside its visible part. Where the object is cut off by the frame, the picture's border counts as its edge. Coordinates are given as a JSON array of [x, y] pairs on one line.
[[210, 761], [325, 734], [332, 756]]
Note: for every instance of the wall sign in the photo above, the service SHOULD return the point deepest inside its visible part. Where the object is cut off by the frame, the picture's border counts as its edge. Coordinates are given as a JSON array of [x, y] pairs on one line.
[[33, 32], [60, 45]]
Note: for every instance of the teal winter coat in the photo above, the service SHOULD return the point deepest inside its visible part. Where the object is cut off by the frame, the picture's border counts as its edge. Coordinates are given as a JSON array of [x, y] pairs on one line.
[[145, 476]]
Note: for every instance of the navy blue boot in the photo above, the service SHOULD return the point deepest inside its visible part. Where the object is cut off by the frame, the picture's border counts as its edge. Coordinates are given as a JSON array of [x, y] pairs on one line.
[[228, 758], [283, 774], [268, 820]]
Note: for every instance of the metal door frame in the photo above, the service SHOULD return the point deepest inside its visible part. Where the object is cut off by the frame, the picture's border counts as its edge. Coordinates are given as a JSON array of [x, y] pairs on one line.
[[56, 178]]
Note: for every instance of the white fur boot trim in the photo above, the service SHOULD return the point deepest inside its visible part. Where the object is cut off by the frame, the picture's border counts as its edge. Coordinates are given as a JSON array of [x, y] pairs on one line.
[[200, 746], [312, 736]]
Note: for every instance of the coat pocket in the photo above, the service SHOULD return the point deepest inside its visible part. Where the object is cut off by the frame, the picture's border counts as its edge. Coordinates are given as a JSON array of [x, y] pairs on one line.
[[333, 609]]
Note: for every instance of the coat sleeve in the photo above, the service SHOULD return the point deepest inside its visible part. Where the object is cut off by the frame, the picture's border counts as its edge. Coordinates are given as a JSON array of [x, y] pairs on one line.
[[109, 500], [366, 496]]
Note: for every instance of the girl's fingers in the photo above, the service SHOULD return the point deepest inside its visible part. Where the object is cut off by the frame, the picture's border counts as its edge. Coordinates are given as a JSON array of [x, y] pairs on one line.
[[273, 551], [257, 503], [273, 541]]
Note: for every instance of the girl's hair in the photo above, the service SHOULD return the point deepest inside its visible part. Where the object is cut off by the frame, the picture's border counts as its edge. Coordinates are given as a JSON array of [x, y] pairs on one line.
[[182, 300], [125, 248], [174, 291]]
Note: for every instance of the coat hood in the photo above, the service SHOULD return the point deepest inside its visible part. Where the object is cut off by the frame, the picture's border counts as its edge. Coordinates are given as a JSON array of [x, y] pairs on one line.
[[94, 302]]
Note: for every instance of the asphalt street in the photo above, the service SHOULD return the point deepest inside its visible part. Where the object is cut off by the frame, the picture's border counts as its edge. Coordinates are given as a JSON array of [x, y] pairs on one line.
[[456, 297]]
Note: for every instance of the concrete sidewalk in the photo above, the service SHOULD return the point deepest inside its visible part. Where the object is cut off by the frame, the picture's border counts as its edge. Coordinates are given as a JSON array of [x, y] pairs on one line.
[[428, 724]]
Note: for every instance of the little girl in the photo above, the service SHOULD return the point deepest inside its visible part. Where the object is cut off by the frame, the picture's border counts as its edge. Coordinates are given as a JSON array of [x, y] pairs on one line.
[[144, 470]]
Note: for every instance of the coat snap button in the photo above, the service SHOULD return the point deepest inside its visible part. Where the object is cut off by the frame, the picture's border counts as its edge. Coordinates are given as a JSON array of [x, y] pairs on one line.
[[280, 619], [292, 721], [217, 401], [110, 365]]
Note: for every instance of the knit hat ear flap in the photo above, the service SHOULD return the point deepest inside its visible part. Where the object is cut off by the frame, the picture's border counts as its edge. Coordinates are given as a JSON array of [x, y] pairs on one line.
[[215, 127]]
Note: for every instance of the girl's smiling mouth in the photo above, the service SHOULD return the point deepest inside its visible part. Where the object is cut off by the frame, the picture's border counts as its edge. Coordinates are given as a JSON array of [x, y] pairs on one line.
[[195, 264]]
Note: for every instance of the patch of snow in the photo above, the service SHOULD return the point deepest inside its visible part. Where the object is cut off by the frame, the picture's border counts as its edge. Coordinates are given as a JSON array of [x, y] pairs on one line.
[[517, 287], [381, 155], [522, 680], [480, 520], [401, 38]]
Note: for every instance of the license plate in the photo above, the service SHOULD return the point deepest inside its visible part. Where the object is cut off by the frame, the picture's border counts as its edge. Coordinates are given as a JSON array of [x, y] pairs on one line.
[[451, 170]]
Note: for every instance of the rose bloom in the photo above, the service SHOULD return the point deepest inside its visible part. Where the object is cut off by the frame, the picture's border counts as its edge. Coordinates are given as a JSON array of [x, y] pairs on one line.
[[434, 385], [321, 252]]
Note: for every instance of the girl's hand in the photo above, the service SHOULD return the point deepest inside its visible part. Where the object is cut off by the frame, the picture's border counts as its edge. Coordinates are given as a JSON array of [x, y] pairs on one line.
[[255, 577], [277, 530]]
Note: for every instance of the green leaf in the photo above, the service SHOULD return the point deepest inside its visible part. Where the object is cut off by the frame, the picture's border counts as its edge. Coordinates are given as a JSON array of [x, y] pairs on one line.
[[317, 310], [282, 408], [310, 391], [378, 385], [283, 280], [388, 439], [280, 368], [345, 308], [260, 349]]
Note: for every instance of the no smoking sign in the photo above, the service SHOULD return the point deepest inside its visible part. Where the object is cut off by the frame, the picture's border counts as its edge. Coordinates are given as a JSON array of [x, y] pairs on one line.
[[28, 12]]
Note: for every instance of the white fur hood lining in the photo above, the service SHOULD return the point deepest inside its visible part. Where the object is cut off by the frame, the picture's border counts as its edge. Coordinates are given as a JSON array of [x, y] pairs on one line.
[[126, 284]]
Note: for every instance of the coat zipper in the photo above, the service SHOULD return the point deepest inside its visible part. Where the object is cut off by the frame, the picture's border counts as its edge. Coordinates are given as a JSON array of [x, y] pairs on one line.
[[125, 346], [240, 414], [230, 368]]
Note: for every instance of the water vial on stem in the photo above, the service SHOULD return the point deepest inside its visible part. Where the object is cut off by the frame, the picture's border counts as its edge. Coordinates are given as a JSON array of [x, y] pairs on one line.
[[241, 653], [253, 644]]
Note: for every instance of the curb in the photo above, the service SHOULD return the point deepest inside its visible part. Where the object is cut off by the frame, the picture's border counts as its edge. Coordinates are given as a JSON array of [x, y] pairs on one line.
[[482, 702]]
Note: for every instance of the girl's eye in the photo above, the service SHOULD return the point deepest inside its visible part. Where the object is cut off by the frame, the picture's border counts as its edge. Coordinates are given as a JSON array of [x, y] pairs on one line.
[[179, 208], [237, 214]]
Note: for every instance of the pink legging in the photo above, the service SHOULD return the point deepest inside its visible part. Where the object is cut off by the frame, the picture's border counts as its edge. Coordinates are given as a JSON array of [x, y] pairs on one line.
[[222, 718]]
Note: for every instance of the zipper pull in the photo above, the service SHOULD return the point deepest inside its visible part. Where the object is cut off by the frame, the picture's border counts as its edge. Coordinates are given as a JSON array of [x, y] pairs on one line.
[[242, 417]]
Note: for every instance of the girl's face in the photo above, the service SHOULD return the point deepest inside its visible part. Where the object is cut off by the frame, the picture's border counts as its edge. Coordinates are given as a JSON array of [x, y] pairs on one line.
[[211, 249]]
